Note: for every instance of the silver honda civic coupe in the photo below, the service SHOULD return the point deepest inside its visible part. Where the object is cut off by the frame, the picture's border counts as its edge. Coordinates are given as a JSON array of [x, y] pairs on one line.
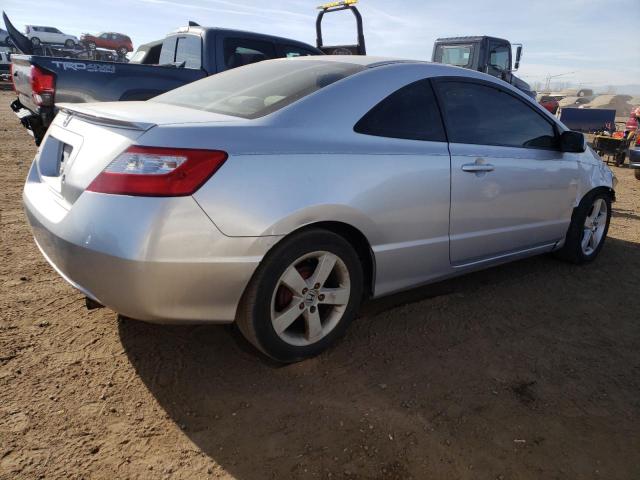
[[281, 194]]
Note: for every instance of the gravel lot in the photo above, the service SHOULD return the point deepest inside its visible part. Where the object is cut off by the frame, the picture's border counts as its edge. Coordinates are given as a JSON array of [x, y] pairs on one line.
[[526, 371]]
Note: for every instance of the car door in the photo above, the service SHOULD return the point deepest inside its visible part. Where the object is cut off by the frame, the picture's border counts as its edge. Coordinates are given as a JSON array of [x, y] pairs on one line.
[[512, 189], [113, 41], [42, 34], [105, 41], [55, 35]]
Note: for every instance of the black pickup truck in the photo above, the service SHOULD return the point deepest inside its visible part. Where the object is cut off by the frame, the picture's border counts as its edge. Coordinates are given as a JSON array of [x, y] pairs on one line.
[[184, 56]]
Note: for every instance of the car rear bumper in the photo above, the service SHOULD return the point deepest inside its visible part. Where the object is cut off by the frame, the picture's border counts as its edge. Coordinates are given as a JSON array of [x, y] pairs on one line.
[[155, 259]]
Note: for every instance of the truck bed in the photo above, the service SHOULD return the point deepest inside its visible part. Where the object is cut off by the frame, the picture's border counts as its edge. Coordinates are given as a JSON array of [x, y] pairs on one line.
[[80, 81]]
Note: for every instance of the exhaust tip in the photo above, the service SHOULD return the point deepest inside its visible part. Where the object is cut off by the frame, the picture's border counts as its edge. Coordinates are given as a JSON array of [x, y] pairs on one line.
[[92, 304]]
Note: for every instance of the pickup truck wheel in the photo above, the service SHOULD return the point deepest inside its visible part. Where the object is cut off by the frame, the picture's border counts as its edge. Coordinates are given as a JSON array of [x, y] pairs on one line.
[[69, 43], [122, 51], [636, 172], [35, 41], [91, 45]]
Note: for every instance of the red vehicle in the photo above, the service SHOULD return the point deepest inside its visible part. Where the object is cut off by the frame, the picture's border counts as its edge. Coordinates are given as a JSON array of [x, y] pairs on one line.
[[550, 103], [109, 40]]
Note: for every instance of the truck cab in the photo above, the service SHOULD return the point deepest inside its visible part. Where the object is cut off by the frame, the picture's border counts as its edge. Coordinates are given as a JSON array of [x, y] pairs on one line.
[[486, 54]]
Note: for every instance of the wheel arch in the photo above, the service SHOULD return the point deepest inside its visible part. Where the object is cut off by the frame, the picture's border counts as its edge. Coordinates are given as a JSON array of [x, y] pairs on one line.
[[600, 189], [355, 237]]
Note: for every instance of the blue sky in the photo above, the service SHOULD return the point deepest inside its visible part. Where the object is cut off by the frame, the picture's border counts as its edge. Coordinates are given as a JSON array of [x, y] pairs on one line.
[[599, 40]]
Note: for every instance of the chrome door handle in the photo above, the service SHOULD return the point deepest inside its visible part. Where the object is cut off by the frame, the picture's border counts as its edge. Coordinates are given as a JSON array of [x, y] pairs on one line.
[[478, 167]]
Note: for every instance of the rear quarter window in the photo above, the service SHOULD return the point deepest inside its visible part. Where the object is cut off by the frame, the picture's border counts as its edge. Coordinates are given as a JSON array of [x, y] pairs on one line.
[[409, 113]]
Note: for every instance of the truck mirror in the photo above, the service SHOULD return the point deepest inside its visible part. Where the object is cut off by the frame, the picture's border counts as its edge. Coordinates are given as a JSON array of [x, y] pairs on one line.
[[518, 55]]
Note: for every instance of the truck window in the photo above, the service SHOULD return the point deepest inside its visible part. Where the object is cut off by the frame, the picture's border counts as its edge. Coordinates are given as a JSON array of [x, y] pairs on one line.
[[189, 50], [289, 51], [458, 55], [168, 52], [499, 57], [243, 51]]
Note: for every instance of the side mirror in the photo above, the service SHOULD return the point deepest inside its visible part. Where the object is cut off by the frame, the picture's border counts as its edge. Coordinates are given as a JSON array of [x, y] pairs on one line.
[[518, 56], [574, 142]]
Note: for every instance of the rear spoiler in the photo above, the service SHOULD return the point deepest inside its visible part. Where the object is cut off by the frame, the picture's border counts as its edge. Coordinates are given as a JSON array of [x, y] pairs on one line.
[[101, 117]]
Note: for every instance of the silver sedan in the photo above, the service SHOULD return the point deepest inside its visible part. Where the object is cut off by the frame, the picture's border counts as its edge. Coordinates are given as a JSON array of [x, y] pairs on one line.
[[281, 194]]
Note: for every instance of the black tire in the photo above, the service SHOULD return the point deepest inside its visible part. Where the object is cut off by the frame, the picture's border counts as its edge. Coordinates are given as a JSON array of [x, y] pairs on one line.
[[69, 43], [122, 51], [636, 172], [35, 41], [254, 313], [91, 45], [572, 250]]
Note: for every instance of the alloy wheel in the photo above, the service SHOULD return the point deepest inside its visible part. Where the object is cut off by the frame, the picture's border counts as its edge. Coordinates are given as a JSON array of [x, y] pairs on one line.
[[594, 226], [310, 298]]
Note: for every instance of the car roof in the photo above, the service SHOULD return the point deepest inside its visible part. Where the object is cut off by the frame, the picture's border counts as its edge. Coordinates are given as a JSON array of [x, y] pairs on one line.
[[429, 68]]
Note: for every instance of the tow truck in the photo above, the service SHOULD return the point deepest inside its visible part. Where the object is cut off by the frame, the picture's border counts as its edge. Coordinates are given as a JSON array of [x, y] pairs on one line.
[[485, 54], [332, 7]]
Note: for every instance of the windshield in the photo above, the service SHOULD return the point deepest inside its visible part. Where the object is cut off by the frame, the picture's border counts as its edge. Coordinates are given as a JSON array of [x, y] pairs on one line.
[[138, 56], [256, 90], [458, 55]]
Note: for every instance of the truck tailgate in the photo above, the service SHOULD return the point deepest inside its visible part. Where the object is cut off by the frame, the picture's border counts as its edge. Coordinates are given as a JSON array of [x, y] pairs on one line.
[[22, 80]]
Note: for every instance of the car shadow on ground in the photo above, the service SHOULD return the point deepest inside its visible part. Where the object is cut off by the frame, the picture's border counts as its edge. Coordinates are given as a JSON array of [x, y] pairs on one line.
[[428, 381]]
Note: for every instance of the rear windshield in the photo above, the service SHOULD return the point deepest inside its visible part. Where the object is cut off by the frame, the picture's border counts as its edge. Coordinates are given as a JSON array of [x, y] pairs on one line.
[[256, 90]]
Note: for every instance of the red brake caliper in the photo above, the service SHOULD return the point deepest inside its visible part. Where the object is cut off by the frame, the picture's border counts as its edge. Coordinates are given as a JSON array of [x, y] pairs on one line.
[[284, 295]]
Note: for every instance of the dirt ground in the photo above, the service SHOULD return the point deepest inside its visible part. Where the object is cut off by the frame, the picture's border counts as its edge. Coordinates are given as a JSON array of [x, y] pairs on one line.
[[526, 371]]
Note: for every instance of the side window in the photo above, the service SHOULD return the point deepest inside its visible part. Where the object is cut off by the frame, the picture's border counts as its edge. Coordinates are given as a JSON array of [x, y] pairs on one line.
[[189, 50], [499, 57], [168, 51], [290, 51], [410, 113], [104, 35], [243, 51], [484, 115]]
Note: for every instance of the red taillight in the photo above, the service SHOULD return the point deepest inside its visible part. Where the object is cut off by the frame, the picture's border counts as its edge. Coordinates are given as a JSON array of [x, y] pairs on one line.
[[43, 86], [158, 172]]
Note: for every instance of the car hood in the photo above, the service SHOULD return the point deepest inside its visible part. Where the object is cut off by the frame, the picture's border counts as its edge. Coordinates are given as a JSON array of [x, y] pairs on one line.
[[142, 114]]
